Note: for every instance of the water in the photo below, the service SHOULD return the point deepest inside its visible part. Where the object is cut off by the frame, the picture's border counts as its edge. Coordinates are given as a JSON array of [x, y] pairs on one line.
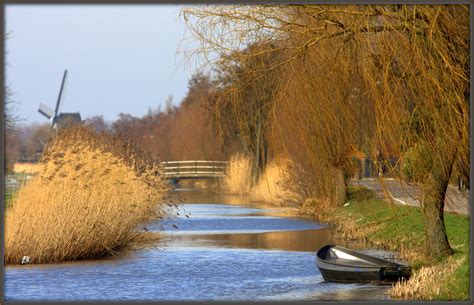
[[221, 252]]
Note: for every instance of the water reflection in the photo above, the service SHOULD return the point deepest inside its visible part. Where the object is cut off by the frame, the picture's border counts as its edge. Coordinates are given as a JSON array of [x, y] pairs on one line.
[[302, 240], [215, 251]]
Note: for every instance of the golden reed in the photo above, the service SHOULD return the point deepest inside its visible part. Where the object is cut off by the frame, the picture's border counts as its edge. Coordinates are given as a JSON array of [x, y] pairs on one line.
[[85, 202]]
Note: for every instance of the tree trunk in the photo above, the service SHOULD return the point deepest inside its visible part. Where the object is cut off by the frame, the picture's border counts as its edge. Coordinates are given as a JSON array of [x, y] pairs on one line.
[[434, 193], [261, 151], [258, 166], [435, 232]]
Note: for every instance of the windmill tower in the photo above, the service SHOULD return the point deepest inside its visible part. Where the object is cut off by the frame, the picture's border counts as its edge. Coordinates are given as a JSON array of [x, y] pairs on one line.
[[59, 120]]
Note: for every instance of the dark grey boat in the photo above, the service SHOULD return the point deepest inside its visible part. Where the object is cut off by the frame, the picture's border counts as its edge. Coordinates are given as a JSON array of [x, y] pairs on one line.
[[339, 264]]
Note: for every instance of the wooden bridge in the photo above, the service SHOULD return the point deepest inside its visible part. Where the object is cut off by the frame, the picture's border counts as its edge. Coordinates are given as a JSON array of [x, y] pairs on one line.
[[194, 169]]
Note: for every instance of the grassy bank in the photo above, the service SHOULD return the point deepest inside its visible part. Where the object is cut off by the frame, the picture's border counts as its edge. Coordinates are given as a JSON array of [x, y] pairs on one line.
[[7, 198], [384, 225], [401, 229], [86, 201], [10, 191]]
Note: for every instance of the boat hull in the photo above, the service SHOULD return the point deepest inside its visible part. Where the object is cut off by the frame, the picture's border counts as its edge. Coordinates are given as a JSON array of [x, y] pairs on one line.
[[349, 274], [353, 266]]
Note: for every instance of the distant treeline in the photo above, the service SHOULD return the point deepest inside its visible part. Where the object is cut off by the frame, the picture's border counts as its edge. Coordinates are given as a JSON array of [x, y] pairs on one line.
[[185, 131]]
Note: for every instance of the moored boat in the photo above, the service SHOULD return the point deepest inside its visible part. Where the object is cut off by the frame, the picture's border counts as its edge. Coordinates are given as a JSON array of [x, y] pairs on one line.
[[339, 264]]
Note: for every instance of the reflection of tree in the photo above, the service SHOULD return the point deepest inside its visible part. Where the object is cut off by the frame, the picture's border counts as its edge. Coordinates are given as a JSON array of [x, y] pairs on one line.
[[299, 240]]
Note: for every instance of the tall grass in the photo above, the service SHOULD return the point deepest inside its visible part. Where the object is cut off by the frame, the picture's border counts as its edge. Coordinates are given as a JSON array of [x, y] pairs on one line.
[[86, 201], [427, 283], [272, 185], [238, 179]]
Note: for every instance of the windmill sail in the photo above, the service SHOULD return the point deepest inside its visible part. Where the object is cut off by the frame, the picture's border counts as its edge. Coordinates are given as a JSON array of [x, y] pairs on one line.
[[58, 103], [60, 120], [46, 111]]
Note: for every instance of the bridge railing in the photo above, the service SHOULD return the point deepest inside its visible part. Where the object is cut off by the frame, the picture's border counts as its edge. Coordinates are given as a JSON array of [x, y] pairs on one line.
[[194, 169]]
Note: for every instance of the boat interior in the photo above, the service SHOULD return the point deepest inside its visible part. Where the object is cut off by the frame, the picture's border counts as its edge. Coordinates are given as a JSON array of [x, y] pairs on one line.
[[342, 256]]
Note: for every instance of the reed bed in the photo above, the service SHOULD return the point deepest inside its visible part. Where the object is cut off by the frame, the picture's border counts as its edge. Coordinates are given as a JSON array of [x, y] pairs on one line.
[[238, 179], [86, 201], [272, 185]]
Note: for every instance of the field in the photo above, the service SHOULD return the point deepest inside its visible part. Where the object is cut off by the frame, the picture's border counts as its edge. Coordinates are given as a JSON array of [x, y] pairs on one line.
[[26, 167]]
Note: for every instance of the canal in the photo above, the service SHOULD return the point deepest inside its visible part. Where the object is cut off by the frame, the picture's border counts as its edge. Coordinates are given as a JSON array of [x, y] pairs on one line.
[[217, 248]]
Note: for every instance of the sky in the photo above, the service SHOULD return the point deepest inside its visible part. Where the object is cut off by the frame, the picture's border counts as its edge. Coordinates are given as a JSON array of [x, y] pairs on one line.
[[120, 58]]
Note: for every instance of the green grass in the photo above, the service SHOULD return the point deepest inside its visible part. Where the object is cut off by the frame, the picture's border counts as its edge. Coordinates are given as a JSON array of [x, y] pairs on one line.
[[402, 227], [20, 175], [456, 285], [9, 192], [7, 200]]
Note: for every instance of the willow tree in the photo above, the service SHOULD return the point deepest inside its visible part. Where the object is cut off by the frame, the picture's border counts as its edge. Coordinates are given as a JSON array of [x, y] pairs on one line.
[[409, 63], [316, 110], [244, 104], [421, 88]]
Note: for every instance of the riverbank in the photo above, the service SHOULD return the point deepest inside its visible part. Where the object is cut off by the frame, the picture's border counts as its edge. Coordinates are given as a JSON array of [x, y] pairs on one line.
[[221, 252], [401, 229], [369, 218]]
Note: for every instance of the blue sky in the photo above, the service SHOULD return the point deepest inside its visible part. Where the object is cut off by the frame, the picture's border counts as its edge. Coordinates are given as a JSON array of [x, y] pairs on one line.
[[120, 58]]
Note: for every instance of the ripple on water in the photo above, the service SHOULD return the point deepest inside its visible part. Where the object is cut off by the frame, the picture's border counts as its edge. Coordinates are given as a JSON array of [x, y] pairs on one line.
[[222, 219], [243, 255], [177, 274]]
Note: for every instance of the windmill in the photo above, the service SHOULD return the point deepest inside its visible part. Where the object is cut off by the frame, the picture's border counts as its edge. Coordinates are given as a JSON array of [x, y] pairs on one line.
[[59, 120]]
